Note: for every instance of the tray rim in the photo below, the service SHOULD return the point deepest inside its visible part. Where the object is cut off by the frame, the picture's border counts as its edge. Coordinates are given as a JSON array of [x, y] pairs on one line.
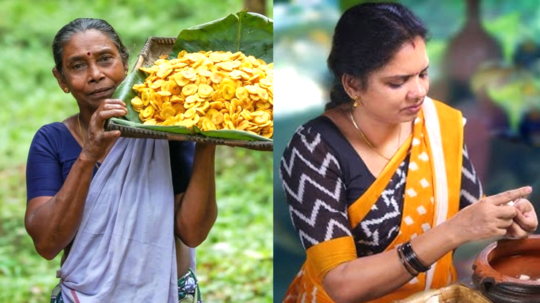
[[131, 132]]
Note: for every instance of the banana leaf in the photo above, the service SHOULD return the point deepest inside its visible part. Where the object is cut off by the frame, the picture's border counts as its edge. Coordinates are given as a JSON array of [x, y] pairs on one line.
[[225, 134], [250, 33], [247, 32]]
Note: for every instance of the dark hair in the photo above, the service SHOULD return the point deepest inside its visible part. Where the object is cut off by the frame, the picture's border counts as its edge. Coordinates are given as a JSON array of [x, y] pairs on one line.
[[366, 38], [81, 25]]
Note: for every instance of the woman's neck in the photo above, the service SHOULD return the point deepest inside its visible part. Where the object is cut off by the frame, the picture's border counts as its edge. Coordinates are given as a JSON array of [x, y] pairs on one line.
[[380, 133], [84, 116]]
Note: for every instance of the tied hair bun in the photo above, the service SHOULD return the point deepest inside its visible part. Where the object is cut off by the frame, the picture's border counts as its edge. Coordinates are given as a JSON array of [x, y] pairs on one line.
[[338, 96]]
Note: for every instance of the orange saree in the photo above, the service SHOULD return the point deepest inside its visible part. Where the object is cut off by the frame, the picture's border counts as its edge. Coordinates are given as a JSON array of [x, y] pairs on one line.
[[432, 194]]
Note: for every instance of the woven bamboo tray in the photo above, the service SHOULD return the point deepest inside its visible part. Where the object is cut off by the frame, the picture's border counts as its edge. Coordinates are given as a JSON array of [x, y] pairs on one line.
[[456, 293], [152, 49]]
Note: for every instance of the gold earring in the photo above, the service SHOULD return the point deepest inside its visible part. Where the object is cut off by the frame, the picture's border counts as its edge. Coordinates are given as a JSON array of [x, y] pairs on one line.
[[355, 104], [126, 73], [66, 90]]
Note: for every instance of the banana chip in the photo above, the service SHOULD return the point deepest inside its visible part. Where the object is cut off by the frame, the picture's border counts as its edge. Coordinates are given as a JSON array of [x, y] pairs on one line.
[[211, 90]]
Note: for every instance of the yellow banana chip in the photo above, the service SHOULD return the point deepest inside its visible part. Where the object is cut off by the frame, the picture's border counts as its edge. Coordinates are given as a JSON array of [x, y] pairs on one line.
[[189, 89], [228, 92], [180, 80], [137, 103], [205, 90], [167, 112], [148, 112]]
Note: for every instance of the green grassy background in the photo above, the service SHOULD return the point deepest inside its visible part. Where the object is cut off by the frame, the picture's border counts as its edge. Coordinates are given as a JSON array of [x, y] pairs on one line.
[[235, 262]]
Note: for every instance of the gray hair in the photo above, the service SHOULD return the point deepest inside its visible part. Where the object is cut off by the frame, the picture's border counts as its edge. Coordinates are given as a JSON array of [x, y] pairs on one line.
[[81, 25]]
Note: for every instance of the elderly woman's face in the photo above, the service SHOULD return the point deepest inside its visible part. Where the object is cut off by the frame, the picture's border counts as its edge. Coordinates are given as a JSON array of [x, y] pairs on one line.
[[92, 67], [396, 92]]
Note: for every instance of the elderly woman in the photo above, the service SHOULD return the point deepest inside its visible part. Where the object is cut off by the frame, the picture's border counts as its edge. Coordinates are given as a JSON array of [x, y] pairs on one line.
[[380, 187], [70, 176]]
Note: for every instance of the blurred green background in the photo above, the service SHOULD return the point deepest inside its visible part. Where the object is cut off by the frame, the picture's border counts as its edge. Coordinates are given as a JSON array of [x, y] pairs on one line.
[[484, 60], [235, 263]]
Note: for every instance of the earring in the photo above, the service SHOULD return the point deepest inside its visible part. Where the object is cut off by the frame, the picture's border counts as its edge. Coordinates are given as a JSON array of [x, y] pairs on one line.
[[355, 104], [66, 90], [126, 73]]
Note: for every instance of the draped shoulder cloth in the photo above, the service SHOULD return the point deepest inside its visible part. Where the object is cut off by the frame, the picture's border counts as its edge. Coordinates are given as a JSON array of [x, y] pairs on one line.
[[432, 194], [124, 250]]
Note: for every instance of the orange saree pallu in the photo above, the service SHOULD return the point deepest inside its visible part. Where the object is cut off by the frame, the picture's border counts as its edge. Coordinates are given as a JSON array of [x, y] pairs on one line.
[[432, 194]]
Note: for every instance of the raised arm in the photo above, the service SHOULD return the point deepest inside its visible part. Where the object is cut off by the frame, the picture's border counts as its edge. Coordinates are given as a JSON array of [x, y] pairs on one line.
[[53, 221], [196, 209]]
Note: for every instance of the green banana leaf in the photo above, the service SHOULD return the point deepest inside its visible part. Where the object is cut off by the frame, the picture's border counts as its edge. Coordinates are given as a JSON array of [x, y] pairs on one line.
[[125, 93], [250, 33], [225, 134], [247, 32]]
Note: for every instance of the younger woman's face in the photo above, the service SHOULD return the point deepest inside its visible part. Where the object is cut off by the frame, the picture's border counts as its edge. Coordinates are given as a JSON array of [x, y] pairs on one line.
[[395, 93], [92, 66]]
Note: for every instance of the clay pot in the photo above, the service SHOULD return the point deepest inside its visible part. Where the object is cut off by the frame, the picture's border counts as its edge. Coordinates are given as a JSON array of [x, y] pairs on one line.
[[508, 271], [467, 50]]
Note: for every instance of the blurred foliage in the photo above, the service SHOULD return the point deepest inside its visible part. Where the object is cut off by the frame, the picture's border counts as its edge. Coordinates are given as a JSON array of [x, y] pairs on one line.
[[235, 262], [517, 97]]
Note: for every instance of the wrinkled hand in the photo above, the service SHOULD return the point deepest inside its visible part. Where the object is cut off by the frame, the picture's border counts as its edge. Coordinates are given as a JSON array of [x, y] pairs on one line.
[[525, 221], [489, 217], [98, 140]]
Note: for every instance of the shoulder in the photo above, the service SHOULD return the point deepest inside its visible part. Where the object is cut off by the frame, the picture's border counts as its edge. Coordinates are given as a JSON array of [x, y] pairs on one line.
[[319, 129], [52, 130], [50, 137], [310, 148], [449, 119], [314, 137], [446, 110]]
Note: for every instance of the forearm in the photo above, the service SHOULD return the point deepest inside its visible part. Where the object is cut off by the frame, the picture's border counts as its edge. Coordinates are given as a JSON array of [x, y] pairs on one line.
[[54, 223], [372, 277], [197, 211]]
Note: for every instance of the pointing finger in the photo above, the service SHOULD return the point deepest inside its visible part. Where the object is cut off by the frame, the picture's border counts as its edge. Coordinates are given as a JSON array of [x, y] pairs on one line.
[[509, 195]]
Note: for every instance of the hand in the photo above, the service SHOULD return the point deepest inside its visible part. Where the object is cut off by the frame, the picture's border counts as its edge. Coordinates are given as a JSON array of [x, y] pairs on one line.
[[98, 140], [525, 221], [489, 217]]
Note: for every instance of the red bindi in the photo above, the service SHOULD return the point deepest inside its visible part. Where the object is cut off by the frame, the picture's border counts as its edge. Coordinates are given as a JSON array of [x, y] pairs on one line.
[[88, 53]]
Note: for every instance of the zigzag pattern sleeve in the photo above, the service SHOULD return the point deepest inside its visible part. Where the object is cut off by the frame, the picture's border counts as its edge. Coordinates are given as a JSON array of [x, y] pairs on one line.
[[471, 188], [314, 189]]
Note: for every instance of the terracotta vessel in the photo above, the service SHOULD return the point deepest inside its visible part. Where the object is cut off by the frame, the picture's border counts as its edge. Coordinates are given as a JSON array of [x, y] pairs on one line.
[[467, 50], [508, 271]]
